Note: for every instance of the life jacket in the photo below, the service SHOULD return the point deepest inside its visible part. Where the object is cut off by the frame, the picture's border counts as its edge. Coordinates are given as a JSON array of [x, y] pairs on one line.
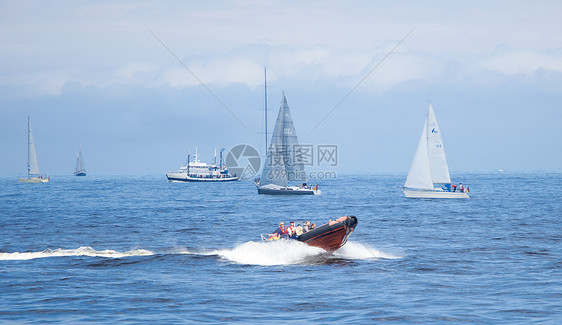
[[290, 230]]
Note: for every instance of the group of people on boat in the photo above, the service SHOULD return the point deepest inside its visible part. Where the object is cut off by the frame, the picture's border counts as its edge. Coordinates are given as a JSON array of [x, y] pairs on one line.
[[460, 188], [306, 186], [292, 231]]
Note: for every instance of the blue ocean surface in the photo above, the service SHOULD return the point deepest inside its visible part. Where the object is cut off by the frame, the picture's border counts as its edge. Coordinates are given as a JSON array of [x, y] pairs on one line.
[[138, 249]]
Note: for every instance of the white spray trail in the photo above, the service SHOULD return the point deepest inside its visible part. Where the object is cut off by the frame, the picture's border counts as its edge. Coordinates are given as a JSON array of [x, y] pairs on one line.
[[283, 252], [286, 252], [81, 251], [359, 251]]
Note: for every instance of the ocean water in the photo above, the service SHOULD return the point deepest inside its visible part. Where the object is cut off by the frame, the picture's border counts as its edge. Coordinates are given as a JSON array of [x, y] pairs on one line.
[[141, 250]]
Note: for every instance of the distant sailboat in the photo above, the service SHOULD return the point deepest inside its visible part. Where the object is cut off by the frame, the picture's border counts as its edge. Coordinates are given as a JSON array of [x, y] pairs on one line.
[[282, 164], [33, 174], [80, 170], [429, 174]]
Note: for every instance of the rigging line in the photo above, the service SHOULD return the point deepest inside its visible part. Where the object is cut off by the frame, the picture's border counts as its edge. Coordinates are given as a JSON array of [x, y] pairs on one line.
[[370, 251], [201, 82], [384, 265], [361, 81], [329, 209], [208, 231]]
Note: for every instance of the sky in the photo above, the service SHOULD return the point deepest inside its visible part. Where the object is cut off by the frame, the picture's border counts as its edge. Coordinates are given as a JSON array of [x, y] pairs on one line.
[[93, 73]]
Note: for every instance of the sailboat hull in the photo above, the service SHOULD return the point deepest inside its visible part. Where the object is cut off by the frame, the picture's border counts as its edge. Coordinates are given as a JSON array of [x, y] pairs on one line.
[[33, 180], [80, 174], [290, 190], [424, 194]]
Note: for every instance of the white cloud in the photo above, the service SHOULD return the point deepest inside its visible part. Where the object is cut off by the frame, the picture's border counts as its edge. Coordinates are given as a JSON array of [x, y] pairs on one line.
[[230, 43], [48, 82], [132, 69], [510, 61]]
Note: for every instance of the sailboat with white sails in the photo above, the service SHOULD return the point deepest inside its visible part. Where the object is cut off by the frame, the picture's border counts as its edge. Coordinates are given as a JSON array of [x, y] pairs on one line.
[[429, 174], [33, 173], [283, 164], [80, 169]]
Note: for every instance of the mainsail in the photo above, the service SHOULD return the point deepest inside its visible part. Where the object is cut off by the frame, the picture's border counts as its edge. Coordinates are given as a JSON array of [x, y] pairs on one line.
[[284, 159], [32, 165], [429, 166], [436, 151], [79, 162]]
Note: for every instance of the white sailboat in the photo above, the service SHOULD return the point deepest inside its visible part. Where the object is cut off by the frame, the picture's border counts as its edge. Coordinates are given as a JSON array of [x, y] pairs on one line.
[[429, 174], [33, 174], [80, 170], [282, 164]]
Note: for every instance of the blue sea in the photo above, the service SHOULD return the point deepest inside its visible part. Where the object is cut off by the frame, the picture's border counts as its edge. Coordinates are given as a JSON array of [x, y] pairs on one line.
[[138, 249]]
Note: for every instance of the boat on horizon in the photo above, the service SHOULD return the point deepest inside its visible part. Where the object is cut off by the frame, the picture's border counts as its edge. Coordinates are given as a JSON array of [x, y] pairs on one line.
[[197, 171], [80, 170], [33, 173], [429, 173], [329, 236], [282, 165]]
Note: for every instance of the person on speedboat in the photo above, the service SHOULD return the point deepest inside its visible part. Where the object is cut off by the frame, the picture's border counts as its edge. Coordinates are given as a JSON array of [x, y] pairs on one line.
[[280, 232], [306, 226], [291, 230]]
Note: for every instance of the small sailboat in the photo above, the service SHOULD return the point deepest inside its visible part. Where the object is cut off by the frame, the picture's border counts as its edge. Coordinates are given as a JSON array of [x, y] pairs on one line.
[[429, 174], [80, 170], [282, 164], [33, 174]]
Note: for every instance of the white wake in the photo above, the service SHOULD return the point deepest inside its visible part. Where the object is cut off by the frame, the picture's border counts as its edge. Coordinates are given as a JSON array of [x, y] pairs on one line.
[[81, 251], [282, 252], [358, 251], [286, 252]]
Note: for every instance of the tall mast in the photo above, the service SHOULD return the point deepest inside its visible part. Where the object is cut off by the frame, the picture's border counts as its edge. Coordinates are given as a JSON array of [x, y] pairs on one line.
[[265, 100], [427, 130], [29, 144]]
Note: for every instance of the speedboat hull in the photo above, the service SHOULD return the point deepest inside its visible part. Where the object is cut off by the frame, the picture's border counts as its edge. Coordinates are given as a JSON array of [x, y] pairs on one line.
[[182, 177], [330, 236], [421, 194]]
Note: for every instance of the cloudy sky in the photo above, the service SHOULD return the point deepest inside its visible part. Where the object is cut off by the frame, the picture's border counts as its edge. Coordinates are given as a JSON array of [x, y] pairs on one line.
[[92, 72]]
